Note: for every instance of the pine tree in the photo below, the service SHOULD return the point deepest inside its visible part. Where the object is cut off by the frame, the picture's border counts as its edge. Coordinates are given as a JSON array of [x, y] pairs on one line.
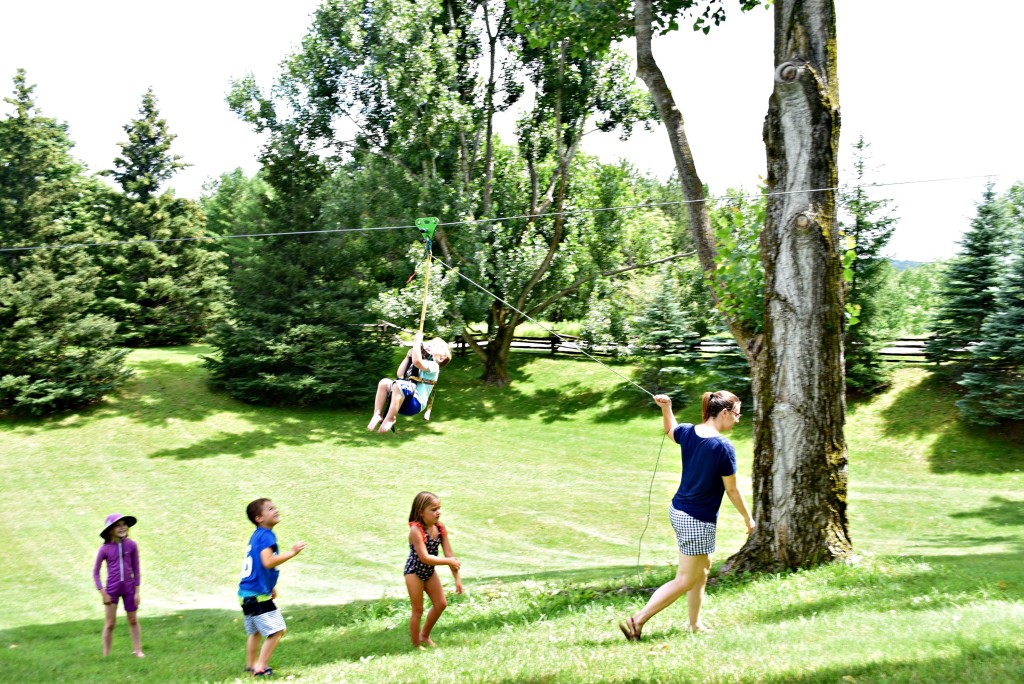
[[296, 333], [870, 228], [664, 335], [146, 161], [54, 354], [234, 205], [970, 284], [995, 383], [169, 288]]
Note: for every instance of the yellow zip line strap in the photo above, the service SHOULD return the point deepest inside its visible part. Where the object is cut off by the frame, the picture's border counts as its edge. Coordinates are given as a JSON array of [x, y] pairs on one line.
[[570, 212], [426, 283], [426, 226]]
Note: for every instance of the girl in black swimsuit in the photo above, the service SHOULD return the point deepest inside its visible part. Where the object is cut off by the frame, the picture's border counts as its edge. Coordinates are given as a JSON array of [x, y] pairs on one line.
[[426, 534]]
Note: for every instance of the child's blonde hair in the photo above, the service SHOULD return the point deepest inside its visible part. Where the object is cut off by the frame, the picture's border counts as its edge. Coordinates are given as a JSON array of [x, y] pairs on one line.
[[442, 346], [422, 500]]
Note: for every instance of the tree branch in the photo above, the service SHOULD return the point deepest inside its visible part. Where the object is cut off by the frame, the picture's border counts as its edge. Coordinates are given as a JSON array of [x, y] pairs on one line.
[[603, 274]]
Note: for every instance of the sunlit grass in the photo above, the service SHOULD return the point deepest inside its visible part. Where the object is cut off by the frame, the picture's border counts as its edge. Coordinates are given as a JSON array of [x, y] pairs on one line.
[[545, 491]]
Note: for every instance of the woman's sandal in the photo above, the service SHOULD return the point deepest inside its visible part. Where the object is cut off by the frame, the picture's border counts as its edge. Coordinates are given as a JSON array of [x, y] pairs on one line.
[[629, 629]]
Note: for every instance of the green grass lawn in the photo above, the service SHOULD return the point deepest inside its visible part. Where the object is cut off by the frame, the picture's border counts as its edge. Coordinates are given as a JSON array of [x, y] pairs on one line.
[[545, 493]]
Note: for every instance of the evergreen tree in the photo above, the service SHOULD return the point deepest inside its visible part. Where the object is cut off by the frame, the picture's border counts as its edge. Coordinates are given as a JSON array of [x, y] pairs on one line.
[[54, 354], [234, 205], [664, 335], [995, 383], [970, 284], [869, 228], [297, 332], [146, 161], [169, 288]]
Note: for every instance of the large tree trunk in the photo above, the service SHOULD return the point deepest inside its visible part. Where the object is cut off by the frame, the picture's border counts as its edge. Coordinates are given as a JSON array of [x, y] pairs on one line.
[[800, 459], [499, 345], [799, 467]]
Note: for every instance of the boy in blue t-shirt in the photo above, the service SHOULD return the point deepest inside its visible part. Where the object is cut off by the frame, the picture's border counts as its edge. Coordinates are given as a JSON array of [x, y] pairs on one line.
[[257, 589]]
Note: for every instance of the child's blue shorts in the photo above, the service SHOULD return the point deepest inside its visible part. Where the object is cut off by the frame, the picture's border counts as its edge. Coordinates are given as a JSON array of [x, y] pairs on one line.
[[411, 405]]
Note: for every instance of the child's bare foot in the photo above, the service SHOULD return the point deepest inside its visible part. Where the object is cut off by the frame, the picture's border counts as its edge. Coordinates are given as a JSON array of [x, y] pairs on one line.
[[386, 425], [140, 654], [373, 422], [428, 641], [419, 647], [698, 628]]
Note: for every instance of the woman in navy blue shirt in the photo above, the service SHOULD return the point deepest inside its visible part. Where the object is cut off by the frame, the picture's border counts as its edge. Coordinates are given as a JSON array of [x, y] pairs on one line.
[[709, 472]]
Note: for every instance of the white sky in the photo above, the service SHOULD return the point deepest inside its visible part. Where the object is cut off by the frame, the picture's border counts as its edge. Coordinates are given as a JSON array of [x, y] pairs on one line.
[[927, 82]]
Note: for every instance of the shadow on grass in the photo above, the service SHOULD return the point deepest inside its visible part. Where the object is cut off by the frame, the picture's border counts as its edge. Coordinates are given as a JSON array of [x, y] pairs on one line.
[[928, 409], [911, 584], [967, 663], [1000, 511], [170, 388], [194, 645], [208, 645]]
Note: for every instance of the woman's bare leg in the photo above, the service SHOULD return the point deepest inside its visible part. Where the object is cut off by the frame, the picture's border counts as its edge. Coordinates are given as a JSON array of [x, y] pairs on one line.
[[688, 574], [695, 596]]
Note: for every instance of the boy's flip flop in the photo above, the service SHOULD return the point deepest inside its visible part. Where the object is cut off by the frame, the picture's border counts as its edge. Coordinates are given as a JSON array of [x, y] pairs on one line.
[[265, 673]]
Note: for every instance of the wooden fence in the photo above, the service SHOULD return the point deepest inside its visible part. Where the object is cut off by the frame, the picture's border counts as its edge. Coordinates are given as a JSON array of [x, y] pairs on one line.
[[905, 350]]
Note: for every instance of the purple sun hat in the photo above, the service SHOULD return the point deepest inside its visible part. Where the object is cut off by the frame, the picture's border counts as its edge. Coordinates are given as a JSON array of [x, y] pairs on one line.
[[114, 518]]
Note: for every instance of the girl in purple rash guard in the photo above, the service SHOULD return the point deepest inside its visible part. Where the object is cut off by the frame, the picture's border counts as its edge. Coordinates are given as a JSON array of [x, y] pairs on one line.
[[122, 557]]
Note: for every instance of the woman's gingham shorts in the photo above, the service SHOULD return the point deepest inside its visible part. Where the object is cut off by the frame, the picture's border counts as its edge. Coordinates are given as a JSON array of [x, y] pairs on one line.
[[694, 537]]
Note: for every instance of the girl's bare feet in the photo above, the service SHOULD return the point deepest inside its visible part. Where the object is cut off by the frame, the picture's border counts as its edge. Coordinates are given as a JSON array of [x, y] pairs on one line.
[[428, 641], [140, 654], [419, 647], [698, 628], [373, 422], [386, 425]]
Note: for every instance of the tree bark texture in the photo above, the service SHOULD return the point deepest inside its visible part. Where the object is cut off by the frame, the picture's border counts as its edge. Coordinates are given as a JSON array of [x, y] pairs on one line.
[[799, 471], [800, 458]]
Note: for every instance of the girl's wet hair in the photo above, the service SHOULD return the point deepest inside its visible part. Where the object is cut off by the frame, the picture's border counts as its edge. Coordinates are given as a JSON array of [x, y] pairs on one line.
[[422, 500], [716, 402]]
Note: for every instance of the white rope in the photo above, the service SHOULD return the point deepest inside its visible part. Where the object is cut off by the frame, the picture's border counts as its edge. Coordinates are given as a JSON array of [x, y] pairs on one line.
[[541, 326]]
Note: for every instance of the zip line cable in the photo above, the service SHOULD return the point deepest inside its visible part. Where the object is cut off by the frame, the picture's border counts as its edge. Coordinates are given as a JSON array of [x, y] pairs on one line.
[[570, 212], [650, 205], [197, 238]]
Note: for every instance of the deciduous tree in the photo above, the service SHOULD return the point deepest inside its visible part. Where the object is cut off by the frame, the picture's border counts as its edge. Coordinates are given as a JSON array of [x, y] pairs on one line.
[[418, 85], [800, 458]]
